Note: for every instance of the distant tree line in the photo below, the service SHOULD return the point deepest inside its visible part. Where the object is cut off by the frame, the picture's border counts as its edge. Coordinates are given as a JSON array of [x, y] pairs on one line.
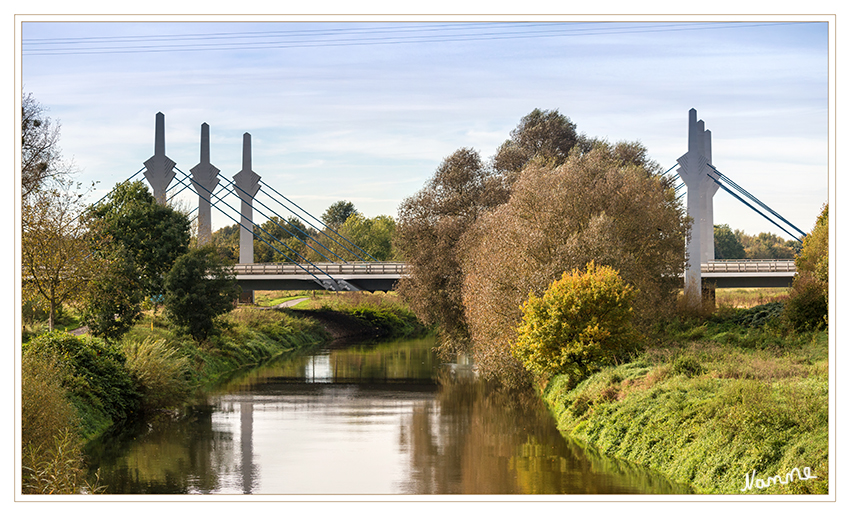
[[737, 245], [344, 234]]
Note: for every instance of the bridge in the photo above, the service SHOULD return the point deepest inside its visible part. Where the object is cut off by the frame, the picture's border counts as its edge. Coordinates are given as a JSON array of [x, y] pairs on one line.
[[383, 276], [362, 272]]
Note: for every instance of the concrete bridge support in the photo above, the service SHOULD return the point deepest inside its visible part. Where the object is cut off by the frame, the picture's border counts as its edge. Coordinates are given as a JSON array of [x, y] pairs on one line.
[[159, 168], [701, 189], [204, 180], [246, 185]]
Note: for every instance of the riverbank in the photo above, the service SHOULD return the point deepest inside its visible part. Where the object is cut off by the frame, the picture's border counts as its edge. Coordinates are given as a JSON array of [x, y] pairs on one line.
[[718, 406], [98, 385]]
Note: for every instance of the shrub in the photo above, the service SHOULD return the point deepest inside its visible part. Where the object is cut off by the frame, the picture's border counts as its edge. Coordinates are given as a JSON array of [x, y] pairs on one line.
[[93, 373], [583, 321], [806, 308], [44, 408], [160, 373]]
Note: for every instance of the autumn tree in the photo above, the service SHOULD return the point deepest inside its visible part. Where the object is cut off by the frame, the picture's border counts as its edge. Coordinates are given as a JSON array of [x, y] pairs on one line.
[[55, 257], [808, 303], [430, 226], [609, 206], [543, 135]]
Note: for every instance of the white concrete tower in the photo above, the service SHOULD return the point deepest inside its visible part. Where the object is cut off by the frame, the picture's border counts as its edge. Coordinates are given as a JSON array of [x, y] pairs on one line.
[[246, 186], [204, 180], [160, 169], [694, 171]]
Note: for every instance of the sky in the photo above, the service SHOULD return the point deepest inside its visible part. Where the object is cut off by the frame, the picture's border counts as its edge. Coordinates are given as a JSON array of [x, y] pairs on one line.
[[366, 111]]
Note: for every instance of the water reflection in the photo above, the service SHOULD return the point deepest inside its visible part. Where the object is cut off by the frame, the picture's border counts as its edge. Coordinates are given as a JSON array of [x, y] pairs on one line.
[[364, 420]]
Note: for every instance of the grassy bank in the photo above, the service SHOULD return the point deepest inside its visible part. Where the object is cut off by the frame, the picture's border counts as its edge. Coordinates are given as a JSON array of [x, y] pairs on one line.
[[710, 403]]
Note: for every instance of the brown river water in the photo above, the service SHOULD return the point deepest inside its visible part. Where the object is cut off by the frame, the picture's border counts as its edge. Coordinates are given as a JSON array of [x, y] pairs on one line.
[[362, 419]]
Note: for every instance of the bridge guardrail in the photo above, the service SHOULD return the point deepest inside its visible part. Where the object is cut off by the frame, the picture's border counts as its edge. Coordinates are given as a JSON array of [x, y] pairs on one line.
[[400, 268], [322, 268], [749, 266]]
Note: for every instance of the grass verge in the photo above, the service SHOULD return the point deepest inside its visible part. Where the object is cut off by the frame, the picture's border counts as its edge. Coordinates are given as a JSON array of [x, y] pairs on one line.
[[709, 405]]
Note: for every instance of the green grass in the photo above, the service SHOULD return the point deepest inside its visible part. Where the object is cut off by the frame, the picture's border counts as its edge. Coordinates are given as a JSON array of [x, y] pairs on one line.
[[709, 405]]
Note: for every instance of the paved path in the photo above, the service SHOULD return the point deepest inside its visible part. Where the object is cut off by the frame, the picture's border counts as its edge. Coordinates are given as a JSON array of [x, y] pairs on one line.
[[291, 302]]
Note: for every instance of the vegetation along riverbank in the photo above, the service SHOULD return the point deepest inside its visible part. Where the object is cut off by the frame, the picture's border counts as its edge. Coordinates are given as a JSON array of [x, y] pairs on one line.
[[709, 403], [75, 387]]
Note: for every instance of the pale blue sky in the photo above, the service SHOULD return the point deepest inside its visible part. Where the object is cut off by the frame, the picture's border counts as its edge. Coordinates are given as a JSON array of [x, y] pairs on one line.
[[367, 111]]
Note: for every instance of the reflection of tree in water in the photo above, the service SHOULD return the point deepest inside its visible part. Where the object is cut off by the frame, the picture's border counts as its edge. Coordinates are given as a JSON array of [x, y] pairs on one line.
[[482, 439], [168, 457]]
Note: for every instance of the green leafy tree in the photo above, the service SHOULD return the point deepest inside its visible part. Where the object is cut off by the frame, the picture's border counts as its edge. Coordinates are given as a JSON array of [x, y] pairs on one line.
[[373, 235], [430, 226], [581, 322], [115, 295], [293, 234], [152, 235], [198, 289], [726, 244], [608, 205], [337, 213]]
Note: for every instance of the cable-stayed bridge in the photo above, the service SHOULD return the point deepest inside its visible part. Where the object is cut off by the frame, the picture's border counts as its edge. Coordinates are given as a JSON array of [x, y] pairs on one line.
[[345, 266]]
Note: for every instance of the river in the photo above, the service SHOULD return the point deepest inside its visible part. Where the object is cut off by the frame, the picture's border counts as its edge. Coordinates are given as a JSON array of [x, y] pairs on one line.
[[370, 419]]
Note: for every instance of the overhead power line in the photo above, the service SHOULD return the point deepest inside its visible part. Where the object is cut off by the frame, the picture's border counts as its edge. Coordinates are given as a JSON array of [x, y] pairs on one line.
[[392, 34]]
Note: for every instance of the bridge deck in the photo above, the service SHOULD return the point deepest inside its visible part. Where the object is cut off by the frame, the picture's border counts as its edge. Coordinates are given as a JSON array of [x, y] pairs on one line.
[[383, 276]]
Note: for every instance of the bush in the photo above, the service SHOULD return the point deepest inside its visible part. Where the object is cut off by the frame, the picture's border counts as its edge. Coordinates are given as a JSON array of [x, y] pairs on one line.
[[160, 373], [807, 307], [45, 410], [93, 373], [583, 321]]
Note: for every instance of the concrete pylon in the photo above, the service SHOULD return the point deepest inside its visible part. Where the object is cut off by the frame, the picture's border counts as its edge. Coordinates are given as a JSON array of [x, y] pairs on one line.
[[247, 184], [160, 169], [204, 180], [694, 169]]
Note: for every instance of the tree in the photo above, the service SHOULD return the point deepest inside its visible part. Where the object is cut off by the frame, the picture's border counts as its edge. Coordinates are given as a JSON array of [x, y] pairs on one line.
[[726, 244], [152, 235], [41, 158], [198, 289], [598, 206], [292, 232], [114, 298], [55, 256], [767, 246], [337, 213], [808, 303], [547, 136], [582, 321], [371, 235], [430, 226]]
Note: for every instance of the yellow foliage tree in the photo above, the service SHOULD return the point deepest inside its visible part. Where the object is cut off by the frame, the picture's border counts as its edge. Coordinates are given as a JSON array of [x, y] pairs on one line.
[[581, 322]]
